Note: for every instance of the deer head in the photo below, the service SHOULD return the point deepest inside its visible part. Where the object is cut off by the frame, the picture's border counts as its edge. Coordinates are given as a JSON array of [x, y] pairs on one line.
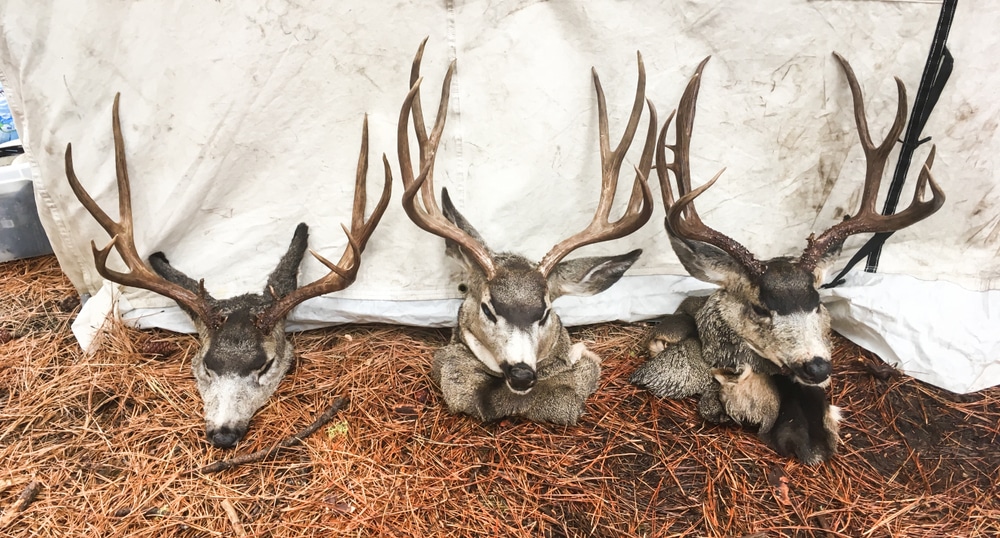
[[773, 305], [244, 353], [506, 318]]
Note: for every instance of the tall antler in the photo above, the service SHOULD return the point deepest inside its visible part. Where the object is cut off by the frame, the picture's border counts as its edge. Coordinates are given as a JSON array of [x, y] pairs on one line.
[[640, 205], [343, 273], [426, 213], [139, 275], [682, 219], [867, 219]]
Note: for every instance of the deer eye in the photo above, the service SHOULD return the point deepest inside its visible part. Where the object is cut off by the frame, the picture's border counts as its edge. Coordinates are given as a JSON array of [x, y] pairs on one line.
[[760, 311], [545, 316], [489, 315]]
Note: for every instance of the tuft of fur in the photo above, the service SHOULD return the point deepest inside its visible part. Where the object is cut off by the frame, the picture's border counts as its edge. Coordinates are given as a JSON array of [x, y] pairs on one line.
[[795, 420]]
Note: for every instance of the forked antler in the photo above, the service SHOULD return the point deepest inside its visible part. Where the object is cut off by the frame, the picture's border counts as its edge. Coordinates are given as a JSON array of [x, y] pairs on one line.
[[426, 213], [682, 219], [343, 273], [139, 275], [868, 220], [640, 204]]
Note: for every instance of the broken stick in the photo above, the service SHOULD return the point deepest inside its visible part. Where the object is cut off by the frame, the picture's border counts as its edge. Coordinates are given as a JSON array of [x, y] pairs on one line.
[[291, 440], [23, 501]]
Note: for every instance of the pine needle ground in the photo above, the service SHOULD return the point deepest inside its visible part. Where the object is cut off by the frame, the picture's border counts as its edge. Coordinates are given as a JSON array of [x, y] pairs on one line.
[[109, 444]]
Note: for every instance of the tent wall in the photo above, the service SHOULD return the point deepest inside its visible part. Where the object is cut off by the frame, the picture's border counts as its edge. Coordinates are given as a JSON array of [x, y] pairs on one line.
[[242, 119]]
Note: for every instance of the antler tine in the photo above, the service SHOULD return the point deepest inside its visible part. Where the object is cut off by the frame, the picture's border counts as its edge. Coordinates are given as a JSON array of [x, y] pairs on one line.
[[343, 273], [868, 220], [426, 213], [640, 206], [121, 232], [682, 218]]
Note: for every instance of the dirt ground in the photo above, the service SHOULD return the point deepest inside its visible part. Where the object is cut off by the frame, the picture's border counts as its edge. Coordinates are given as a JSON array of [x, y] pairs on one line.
[[110, 444]]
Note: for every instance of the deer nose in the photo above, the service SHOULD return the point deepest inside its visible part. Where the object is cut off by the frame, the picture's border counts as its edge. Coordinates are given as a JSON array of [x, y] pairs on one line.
[[225, 437], [817, 369], [521, 377]]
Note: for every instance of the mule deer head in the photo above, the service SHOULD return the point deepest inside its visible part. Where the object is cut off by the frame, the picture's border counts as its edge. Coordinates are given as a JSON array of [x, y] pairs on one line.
[[506, 318], [773, 305], [244, 353]]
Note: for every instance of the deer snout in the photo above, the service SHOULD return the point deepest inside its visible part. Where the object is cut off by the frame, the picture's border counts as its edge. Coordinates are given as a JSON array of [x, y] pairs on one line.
[[815, 371], [226, 436], [520, 377]]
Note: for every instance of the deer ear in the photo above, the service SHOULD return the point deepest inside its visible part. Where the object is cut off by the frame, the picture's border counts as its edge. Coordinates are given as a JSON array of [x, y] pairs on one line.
[[284, 279], [589, 276], [159, 262], [706, 262], [452, 248]]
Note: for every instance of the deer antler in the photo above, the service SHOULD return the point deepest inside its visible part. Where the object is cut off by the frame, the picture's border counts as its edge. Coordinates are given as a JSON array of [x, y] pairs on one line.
[[343, 273], [640, 205], [139, 275], [682, 219], [867, 219], [426, 213]]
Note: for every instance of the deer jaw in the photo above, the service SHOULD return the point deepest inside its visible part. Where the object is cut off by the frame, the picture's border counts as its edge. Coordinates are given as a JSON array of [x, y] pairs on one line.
[[778, 315], [508, 323]]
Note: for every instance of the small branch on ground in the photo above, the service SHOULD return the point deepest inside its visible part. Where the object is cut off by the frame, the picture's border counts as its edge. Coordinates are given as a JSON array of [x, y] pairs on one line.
[[253, 457], [234, 518], [23, 501]]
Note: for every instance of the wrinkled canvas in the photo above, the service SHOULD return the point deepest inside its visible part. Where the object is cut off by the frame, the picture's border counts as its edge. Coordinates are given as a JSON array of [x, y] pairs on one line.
[[242, 119]]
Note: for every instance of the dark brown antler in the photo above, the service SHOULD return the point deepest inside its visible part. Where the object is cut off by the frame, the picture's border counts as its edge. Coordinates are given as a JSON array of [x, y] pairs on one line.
[[868, 220], [682, 220], [139, 275], [640, 205], [426, 213], [343, 273]]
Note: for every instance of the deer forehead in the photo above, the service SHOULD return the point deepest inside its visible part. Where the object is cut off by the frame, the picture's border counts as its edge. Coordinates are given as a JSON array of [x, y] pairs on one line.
[[786, 288], [518, 293]]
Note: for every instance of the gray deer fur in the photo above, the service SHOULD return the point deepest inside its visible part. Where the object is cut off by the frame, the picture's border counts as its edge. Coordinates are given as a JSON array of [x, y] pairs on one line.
[[765, 320], [508, 324], [793, 419]]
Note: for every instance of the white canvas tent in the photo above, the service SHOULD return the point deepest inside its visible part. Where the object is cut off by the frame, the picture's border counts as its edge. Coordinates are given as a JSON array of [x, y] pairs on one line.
[[242, 119]]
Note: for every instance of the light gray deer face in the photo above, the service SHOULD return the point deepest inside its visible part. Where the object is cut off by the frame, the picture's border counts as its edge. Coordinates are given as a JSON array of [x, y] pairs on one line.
[[507, 322], [778, 313], [239, 364]]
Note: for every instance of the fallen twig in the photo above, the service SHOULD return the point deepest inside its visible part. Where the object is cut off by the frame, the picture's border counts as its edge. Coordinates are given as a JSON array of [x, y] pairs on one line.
[[23, 501], [234, 518], [253, 457]]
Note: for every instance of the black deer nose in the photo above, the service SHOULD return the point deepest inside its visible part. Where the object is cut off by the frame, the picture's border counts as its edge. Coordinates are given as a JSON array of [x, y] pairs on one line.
[[817, 370], [521, 377], [226, 437]]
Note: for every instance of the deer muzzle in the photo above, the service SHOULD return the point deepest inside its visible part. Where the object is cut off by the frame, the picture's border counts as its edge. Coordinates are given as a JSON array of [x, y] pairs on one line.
[[520, 377], [815, 371]]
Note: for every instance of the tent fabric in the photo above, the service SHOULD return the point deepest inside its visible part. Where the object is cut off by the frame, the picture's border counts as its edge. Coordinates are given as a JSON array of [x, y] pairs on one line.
[[242, 119]]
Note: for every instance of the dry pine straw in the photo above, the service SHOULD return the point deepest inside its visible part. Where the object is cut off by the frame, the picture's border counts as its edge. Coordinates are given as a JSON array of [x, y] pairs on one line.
[[112, 436]]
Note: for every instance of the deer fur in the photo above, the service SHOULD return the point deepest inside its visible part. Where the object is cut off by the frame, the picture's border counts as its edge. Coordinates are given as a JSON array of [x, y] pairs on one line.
[[795, 420]]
